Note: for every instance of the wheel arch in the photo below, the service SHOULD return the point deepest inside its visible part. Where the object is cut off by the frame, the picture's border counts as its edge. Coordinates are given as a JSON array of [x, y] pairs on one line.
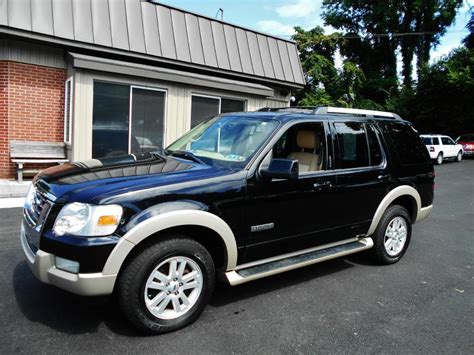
[[404, 195], [190, 222]]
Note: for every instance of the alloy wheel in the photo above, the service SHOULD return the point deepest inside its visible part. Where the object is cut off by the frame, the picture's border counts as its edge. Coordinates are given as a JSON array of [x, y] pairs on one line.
[[395, 236], [173, 287]]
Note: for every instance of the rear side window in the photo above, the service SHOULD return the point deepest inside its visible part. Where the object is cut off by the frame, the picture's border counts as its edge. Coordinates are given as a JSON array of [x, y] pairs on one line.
[[447, 141], [353, 146], [376, 157], [427, 140], [435, 141], [405, 142]]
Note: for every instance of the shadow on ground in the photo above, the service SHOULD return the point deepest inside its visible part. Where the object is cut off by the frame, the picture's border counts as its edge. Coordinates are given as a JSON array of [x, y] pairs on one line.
[[72, 314]]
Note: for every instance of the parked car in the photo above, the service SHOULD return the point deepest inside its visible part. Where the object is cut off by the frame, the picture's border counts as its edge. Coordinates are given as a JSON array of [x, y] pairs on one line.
[[239, 197], [442, 147], [467, 143]]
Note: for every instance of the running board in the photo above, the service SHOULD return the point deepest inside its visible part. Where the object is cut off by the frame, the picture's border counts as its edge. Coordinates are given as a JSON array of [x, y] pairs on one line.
[[308, 257]]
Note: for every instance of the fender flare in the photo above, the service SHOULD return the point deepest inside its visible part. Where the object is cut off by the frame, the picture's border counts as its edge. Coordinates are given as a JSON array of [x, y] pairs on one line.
[[167, 220], [397, 192]]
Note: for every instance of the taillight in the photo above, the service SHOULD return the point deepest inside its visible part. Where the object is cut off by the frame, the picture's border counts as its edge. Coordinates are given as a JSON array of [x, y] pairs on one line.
[[431, 149]]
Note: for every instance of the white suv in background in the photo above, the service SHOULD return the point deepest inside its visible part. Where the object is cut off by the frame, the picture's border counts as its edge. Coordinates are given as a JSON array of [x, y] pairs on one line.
[[442, 147]]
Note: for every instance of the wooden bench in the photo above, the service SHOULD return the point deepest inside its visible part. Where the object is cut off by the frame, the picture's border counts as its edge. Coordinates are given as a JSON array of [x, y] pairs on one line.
[[26, 152]]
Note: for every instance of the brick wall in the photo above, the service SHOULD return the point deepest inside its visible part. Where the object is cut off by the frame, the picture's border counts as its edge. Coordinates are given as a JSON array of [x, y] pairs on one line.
[[31, 108]]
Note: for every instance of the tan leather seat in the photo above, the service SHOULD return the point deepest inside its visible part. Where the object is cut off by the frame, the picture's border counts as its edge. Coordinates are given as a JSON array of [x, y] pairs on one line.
[[307, 161]]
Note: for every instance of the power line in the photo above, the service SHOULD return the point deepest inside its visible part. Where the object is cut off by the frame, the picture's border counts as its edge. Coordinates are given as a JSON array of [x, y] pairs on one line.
[[395, 34]]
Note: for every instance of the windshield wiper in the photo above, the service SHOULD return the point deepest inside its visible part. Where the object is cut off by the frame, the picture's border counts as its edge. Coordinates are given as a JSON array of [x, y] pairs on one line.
[[186, 154]]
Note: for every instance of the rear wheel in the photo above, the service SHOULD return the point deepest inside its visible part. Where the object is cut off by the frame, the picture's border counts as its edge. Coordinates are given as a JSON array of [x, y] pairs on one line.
[[166, 286], [459, 156], [392, 236], [439, 159]]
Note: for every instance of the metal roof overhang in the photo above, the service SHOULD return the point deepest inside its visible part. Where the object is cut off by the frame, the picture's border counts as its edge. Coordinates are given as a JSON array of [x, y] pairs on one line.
[[81, 61], [142, 31]]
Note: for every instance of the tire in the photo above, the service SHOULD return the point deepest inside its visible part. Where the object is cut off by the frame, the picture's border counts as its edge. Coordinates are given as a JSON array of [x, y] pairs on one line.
[[380, 252], [138, 282], [439, 159], [459, 156]]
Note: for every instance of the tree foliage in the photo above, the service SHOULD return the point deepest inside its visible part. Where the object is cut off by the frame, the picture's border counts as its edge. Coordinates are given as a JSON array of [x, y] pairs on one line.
[[372, 35], [384, 27]]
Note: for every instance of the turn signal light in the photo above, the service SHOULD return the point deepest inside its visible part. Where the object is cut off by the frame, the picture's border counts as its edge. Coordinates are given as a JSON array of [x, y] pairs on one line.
[[107, 221]]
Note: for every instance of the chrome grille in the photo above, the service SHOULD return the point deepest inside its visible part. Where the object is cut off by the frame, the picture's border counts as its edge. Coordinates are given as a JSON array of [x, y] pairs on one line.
[[36, 207]]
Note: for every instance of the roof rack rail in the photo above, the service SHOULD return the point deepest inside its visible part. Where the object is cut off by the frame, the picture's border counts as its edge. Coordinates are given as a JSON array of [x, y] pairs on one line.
[[300, 109], [333, 111], [356, 111]]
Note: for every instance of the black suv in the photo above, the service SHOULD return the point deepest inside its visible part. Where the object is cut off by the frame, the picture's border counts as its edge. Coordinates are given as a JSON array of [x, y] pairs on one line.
[[240, 197]]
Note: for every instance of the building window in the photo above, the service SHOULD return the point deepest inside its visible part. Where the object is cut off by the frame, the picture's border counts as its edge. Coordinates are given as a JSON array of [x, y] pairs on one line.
[[127, 119], [204, 107], [148, 118], [68, 92]]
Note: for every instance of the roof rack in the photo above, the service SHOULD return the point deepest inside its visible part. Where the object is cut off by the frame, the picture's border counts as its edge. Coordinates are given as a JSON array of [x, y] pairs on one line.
[[296, 109], [333, 111]]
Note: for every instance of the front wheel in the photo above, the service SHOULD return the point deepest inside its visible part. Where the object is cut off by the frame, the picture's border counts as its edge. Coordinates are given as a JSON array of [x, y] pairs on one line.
[[167, 285], [459, 156], [392, 236], [439, 159]]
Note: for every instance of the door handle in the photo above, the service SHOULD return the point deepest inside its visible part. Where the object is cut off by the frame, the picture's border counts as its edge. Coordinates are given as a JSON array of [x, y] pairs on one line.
[[383, 177], [322, 185]]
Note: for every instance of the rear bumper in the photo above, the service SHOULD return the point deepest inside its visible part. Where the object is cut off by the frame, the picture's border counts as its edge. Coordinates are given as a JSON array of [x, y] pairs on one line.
[[43, 266], [424, 213]]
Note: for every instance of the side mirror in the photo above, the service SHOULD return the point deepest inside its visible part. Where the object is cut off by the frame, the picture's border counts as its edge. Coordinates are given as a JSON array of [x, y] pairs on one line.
[[282, 169]]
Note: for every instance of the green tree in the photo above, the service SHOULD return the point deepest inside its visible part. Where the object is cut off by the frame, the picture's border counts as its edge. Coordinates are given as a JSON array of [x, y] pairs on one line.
[[469, 40], [444, 98], [379, 28]]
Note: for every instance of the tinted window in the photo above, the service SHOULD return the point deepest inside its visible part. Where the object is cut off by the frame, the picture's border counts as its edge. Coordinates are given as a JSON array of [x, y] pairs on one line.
[[435, 141], [353, 146], [447, 141], [427, 140], [229, 105], [110, 119], [148, 111], [203, 108], [405, 143], [374, 147]]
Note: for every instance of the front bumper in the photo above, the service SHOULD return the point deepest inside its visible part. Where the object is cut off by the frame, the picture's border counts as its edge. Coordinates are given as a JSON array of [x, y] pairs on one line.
[[43, 266]]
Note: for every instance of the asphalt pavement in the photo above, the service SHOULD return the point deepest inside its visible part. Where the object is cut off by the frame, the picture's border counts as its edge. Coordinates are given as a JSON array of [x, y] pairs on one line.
[[423, 304]]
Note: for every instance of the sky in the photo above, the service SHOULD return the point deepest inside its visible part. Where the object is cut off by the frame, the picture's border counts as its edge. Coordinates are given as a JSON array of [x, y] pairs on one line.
[[278, 17]]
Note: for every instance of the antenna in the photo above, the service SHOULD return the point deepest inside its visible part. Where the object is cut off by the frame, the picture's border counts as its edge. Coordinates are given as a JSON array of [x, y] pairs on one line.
[[221, 11]]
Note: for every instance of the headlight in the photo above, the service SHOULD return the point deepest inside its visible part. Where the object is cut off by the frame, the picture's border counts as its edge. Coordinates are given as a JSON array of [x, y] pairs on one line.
[[87, 220]]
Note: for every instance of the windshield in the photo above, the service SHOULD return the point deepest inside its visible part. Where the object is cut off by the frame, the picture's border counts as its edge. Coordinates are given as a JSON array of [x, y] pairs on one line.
[[226, 141]]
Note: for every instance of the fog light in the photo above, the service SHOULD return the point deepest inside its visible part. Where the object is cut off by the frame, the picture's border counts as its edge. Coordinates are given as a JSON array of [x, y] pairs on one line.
[[67, 265]]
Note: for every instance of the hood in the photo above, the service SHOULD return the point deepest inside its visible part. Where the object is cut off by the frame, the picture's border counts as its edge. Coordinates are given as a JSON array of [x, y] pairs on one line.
[[99, 180]]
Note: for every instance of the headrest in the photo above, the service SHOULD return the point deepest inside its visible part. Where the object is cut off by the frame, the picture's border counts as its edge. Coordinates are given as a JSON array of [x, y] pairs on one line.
[[307, 139]]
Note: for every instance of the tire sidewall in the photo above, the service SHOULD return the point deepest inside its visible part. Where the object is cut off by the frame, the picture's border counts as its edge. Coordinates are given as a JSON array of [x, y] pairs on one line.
[[459, 156], [379, 235], [150, 259], [439, 159]]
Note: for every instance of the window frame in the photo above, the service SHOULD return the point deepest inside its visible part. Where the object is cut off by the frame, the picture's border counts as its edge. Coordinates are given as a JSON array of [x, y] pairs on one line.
[[337, 156], [68, 111]]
